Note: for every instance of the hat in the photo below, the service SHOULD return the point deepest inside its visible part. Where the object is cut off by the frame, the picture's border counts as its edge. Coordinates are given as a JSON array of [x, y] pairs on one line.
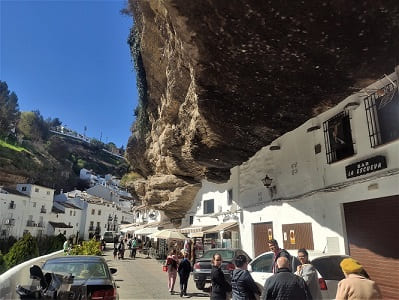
[[350, 265]]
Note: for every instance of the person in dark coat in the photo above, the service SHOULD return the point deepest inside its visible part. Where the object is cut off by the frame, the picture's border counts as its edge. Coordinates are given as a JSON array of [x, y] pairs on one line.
[[242, 284], [278, 252], [220, 286], [285, 285], [184, 271]]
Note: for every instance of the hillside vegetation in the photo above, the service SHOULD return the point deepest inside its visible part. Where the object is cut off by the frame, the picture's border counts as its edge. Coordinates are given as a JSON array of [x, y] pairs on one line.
[[30, 152]]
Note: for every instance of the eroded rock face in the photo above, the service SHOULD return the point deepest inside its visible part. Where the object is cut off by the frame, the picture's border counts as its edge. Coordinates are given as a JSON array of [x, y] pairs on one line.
[[225, 78]]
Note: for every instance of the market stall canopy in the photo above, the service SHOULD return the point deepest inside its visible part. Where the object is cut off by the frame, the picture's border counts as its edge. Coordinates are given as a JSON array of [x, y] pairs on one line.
[[169, 234], [131, 228], [223, 226]]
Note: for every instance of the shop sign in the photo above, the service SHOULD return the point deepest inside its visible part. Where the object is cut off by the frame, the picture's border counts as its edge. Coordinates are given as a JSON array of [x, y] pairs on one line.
[[366, 166]]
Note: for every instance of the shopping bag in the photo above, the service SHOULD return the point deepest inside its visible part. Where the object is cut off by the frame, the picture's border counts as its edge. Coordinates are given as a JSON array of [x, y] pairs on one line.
[[165, 268]]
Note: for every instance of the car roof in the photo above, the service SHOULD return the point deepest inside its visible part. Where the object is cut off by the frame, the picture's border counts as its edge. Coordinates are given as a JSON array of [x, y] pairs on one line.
[[76, 258]]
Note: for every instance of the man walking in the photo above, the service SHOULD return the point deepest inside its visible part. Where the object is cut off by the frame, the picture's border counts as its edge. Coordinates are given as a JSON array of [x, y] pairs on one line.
[[285, 285], [184, 271], [278, 252], [242, 284]]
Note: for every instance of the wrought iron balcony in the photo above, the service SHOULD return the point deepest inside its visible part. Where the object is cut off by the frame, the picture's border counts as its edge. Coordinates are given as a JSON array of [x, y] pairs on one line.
[[9, 222], [43, 210], [11, 206]]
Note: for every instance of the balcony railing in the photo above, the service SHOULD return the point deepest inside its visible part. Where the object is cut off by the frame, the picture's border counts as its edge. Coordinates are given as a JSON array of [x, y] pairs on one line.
[[11, 206], [31, 223], [40, 224], [43, 210]]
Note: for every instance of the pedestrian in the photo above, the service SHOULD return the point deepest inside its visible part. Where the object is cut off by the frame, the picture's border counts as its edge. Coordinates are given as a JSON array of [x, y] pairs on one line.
[[121, 249], [278, 252], [115, 251], [220, 286], [242, 284], [285, 285], [184, 270], [172, 263], [133, 248], [356, 284], [308, 272], [67, 246]]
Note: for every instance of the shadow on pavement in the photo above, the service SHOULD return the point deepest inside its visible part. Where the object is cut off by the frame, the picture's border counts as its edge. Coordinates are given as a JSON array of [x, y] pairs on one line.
[[198, 295]]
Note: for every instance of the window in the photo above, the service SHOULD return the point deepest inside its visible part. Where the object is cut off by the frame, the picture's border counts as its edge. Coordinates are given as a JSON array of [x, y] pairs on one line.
[[48, 193], [99, 212], [33, 204], [208, 206], [230, 197], [93, 211], [23, 189], [191, 220], [382, 111], [70, 213], [36, 190], [74, 212], [338, 137]]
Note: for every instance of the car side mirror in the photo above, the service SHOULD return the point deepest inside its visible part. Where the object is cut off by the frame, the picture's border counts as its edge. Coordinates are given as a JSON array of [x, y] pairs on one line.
[[37, 273], [249, 268], [113, 270]]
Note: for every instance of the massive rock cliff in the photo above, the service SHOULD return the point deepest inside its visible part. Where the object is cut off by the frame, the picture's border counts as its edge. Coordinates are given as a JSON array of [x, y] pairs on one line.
[[220, 79]]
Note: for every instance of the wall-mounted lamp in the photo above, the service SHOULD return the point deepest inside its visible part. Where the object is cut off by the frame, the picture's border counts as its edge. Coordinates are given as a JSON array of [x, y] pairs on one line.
[[267, 182]]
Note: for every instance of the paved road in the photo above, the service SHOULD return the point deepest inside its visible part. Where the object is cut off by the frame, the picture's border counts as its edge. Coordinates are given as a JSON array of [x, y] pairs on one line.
[[143, 278]]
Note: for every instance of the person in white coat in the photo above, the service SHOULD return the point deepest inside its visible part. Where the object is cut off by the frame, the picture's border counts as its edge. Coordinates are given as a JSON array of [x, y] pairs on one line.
[[308, 272]]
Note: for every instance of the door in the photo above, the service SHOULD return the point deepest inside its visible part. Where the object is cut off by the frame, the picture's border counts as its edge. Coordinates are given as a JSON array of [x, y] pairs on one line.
[[262, 233], [373, 239], [297, 236]]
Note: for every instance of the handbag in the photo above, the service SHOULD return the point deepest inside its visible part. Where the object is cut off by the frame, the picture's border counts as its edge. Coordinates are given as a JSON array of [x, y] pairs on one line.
[[165, 268]]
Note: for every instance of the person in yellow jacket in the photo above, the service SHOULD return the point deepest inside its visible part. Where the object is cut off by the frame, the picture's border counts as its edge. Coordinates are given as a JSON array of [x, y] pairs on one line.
[[356, 284]]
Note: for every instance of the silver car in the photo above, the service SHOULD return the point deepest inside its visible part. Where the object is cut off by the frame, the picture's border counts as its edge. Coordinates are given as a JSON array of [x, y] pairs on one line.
[[327, 266]]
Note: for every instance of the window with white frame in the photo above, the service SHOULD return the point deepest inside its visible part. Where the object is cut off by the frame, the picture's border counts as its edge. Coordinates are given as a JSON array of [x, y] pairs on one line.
[[382, 111], [209, 206], [93, 211], [338, 137]]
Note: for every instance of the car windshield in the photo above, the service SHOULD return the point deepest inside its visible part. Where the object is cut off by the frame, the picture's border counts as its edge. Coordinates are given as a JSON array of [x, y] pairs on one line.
[[329, 268], [80, 270], [226, 254]]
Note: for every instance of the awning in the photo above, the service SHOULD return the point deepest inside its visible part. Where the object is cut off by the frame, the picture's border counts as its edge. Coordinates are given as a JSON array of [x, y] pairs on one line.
[[220, 227], [195, 231], [146, 231], [131, 228], [60, 225]]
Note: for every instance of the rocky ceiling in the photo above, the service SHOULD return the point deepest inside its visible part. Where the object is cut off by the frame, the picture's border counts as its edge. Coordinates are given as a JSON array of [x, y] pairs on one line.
[[220, 79]]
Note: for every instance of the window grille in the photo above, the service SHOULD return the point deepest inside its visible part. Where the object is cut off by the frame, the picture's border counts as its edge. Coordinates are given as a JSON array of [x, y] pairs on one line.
[[338, 137], [382, 112]]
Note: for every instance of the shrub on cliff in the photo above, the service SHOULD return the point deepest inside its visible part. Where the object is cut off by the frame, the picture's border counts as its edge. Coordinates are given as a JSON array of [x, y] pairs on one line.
[[49, 244], [2, 263], [23, 250], [91, 247]]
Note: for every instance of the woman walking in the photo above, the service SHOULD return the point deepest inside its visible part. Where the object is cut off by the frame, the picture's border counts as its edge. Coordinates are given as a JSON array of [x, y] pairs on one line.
[[220, 287], [308, 273], [172, 263]]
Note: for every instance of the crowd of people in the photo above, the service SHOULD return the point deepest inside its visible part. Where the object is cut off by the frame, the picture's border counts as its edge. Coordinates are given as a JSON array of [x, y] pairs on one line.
[[132, 244], [287, 284]]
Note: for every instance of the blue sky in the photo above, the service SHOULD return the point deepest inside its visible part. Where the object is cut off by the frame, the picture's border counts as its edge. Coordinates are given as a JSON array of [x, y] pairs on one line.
[[70, 60]]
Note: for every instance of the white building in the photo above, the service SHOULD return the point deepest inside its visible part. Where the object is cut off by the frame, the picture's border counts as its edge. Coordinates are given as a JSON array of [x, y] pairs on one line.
[[331, 185]]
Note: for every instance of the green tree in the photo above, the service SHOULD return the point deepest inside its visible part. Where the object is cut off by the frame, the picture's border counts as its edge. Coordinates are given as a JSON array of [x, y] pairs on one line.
[[9, 110], [32, 126], [23, 250]]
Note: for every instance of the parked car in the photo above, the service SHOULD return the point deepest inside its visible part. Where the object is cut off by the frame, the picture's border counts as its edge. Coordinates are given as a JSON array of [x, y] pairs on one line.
[[90, 272], [109, 236], [202, 268], [327, 266]]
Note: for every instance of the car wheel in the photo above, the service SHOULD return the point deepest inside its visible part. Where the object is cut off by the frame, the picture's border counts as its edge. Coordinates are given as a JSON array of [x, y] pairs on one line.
[[200, 285]]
